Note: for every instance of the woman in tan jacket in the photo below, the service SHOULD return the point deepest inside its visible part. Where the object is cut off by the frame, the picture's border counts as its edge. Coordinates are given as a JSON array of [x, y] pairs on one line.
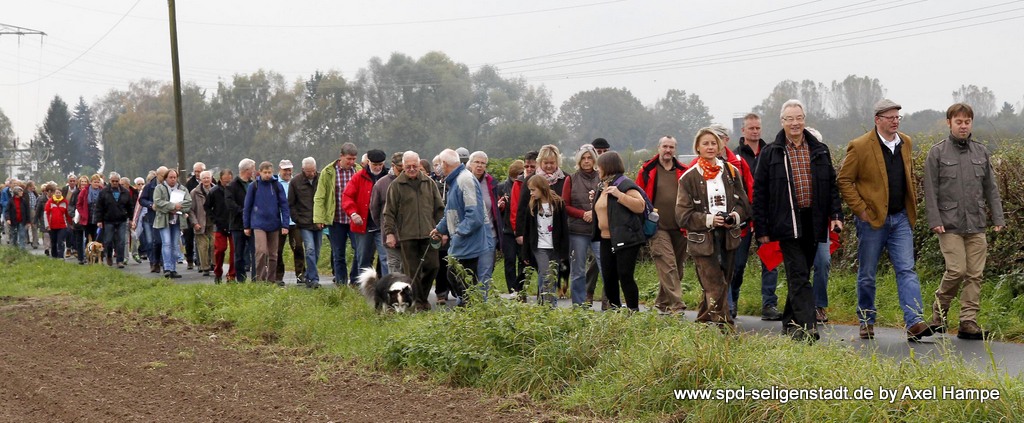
[[712, 205]]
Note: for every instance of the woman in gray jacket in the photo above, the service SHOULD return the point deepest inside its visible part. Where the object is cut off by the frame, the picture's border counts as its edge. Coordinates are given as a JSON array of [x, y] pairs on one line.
[[171, 203]]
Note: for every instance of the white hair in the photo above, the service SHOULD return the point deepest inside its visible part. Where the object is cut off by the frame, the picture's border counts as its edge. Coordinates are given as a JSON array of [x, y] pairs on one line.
[[114, 175], [814, 133], [139, 180], [246, 164], [200, 165], [449, 157], [791, 103], [478, 154], [410, 155], [309, 161], [720, 130], [205, 173]]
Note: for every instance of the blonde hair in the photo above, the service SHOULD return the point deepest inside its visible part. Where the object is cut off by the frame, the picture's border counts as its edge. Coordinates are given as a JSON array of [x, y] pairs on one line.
[[549, 152], [707, 130], [546, 193]]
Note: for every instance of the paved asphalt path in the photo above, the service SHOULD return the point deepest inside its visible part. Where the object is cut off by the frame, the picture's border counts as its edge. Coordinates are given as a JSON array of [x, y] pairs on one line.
[[1006, 357]]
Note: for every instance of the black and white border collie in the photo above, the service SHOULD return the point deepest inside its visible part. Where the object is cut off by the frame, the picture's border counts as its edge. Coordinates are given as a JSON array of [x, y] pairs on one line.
[[392, 292]]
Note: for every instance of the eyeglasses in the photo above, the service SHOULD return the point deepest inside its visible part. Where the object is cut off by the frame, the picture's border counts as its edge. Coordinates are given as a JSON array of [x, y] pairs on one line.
[[790, 119], [896, 118]]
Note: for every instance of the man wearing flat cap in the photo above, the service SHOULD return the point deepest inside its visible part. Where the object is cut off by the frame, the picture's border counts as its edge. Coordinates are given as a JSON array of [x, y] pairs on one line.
[[356, 203], [875, 181]]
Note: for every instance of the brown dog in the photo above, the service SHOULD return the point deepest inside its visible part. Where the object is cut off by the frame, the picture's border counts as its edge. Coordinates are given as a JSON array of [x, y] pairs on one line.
[[94, 252]]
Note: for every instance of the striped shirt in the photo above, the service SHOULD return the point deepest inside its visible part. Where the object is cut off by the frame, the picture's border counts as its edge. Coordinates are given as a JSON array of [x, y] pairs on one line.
[[800, 157], [341, 179]]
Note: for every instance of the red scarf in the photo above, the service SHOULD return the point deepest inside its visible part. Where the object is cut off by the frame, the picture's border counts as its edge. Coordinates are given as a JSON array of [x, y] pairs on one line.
[[709, 168]]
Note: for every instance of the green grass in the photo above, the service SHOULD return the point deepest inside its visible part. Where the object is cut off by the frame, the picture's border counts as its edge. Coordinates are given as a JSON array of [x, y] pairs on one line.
[[615, 366]]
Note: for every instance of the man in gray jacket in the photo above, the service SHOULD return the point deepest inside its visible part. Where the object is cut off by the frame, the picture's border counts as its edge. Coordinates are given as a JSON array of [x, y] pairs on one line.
[[959, 191]]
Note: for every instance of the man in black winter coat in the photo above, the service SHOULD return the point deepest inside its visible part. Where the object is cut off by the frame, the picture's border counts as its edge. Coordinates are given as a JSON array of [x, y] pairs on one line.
[[796, 202], [115, 206]]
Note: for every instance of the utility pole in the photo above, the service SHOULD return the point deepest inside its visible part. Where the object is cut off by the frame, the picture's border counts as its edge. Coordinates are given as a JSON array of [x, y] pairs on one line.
[[178, 119], [6, 29], [9, 157]]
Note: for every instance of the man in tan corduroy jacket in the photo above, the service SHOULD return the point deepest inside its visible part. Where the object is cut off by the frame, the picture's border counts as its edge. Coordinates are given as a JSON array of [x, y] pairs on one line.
[[875, 180]]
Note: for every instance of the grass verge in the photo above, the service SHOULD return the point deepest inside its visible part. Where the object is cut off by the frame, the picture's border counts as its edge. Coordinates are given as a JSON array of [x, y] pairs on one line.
[[605, 365]]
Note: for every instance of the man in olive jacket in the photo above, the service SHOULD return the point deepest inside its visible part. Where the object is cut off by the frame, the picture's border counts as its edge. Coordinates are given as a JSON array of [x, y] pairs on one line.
[[412, 209], [959, 192]]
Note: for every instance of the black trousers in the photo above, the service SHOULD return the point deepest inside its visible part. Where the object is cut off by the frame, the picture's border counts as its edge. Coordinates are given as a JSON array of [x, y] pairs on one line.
[[189, 239], [514, 269], [419, 262], [618, 269], [798, 256], [457, 283]]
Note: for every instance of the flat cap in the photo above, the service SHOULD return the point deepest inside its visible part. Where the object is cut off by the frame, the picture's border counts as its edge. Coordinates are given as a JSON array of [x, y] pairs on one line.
[[885, 105]]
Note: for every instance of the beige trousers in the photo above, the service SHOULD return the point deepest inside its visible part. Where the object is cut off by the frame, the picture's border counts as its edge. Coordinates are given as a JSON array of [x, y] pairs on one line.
[[668, 249], [965, 262]]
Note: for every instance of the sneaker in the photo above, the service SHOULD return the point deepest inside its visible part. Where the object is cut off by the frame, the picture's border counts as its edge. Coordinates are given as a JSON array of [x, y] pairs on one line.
[[918, 330], [135, 256], [820, 315], [867, 331], [971, 331], [173, 275], [206, 273], [312, 284], [770, 313], [120, 265]]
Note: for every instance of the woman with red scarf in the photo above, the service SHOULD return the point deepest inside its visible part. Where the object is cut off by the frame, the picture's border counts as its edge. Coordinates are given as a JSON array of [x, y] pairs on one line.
[[711, 205]]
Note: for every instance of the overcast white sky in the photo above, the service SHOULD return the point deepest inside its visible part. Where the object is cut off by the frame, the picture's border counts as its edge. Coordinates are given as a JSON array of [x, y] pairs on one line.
[[731, 52]]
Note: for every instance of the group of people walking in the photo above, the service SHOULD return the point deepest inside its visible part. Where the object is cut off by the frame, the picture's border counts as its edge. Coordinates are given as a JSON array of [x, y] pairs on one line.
[[418, 216]]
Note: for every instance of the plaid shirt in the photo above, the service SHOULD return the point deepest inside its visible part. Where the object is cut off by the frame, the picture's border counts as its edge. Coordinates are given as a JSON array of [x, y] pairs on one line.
[[800, 157], [341, 178]]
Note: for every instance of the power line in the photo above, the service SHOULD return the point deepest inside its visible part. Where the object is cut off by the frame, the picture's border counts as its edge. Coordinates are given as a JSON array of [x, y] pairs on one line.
[[373, 24], [84, 52]]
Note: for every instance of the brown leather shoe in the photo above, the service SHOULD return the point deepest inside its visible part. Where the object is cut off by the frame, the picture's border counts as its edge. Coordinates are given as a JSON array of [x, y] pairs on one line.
[[867, 331], [820, 315], [971, 331], [918, 330]]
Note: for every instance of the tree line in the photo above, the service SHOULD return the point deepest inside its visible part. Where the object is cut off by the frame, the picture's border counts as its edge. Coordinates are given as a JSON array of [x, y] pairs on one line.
[[427, 104]]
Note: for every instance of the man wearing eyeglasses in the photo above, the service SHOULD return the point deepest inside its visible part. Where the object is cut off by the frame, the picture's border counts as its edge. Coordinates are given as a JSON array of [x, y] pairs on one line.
[[875, 180], [796, 203]]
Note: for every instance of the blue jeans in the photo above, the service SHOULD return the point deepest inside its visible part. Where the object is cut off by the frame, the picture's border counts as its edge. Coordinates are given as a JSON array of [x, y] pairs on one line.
[[19, 235], [154, 252], [578, 247], [339, 235], [896, 236], [363, 247], [382, 252], [485, 263], [769, 278], [244, 252], [311, 240], [547, 283], [170, 243], [822, 267]]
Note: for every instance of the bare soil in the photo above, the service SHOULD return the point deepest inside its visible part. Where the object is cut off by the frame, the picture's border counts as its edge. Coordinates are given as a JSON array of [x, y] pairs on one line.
[[62, 361]]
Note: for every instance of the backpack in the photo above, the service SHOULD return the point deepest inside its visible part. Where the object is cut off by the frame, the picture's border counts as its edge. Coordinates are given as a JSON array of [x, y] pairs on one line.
[[650, 219]]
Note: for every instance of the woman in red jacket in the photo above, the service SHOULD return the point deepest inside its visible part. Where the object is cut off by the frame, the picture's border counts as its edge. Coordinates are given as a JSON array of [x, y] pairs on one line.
[[57, 220]]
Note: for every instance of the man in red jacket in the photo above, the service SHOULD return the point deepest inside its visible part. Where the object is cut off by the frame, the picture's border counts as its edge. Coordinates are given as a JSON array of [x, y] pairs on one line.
[[659, 178], [355, 202]]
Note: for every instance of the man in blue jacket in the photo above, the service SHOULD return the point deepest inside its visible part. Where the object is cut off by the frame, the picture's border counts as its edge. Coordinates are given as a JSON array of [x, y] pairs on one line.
[[463, 221]]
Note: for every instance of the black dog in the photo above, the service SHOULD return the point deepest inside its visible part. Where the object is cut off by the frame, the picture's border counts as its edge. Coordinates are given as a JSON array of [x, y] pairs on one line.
[[392, 292]]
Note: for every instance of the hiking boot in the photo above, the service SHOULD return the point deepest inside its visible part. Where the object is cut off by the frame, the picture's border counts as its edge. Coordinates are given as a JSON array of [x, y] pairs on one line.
[[971, 331], [153, 268], [172, 275], [820, 315], [867, 331], [120, 265], [189, 266], [216, 280], [110, 261], [918, 330], [770, 313]]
